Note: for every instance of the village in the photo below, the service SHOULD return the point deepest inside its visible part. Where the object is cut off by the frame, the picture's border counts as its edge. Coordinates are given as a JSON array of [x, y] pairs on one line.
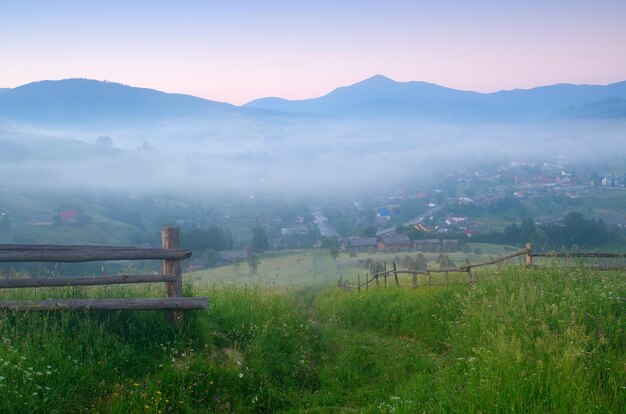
[[459, 206]]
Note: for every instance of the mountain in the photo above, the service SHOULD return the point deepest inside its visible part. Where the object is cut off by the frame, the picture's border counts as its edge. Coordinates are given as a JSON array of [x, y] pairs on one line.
[[87, 101], [612, 108], [382, 96], [376, 90], [80, 102]]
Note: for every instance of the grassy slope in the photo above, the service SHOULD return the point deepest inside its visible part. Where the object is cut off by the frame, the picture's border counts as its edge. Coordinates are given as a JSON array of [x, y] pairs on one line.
[[101, 230], [300, 268], [519, 341]]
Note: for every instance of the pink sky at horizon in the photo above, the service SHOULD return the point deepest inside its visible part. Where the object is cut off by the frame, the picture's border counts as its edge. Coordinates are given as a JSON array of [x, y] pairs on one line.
[[242, 50]]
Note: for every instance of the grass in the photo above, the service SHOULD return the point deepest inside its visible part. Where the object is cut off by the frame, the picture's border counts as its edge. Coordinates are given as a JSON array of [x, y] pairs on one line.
[[315, 267], [531, 341]]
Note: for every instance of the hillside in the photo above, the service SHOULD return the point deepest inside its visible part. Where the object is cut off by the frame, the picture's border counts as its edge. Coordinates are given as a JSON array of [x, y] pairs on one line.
[[90, 101], [613, 108], [382, 96], [533, 341]]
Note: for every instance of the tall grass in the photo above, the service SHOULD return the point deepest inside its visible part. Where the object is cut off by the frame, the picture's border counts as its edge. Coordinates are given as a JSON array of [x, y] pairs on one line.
[[518, 341], [549, 340]]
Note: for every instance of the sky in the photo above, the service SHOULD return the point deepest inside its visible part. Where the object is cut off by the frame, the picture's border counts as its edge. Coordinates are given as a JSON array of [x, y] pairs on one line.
[[238, 50]]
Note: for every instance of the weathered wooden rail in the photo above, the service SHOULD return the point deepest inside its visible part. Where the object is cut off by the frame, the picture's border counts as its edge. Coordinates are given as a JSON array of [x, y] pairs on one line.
[[527, 252], [171, 254]]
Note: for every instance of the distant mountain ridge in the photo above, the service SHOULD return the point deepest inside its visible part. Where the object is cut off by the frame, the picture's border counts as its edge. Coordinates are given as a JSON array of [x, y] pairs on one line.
[[85, 100], [383, 96]]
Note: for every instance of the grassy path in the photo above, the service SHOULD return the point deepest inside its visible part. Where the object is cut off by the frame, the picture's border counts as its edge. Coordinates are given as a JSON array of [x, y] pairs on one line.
[[540, 341]]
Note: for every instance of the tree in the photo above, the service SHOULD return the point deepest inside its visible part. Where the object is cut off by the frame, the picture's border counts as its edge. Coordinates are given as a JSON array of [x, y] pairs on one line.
[[200, 240], [260, 241], [527, 231], [330, 242], [369, 231], [511, 234]]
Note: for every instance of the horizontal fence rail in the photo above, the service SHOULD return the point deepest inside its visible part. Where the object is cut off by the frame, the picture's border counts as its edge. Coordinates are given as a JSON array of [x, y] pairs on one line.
[[83, 281], [171, 254], [527, 252], [66, 253], [106, 304], [582, 254]]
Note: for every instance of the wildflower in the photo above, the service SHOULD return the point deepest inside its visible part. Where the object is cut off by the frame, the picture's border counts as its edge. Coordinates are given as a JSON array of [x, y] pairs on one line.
[[240, 375]]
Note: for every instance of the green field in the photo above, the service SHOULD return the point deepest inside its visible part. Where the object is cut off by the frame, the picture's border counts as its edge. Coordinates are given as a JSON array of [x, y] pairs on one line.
[[316, 268], [527, 341]]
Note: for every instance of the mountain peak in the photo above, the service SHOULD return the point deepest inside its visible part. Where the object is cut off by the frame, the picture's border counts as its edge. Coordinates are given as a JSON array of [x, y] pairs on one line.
[[378, 78]]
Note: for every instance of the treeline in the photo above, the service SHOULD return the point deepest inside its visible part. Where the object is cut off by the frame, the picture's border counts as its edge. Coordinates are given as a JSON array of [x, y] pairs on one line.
[[205, 243], [574, 231]]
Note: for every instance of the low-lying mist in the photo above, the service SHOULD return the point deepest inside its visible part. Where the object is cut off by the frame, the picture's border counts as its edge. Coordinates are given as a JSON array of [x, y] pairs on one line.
[[312, 156]]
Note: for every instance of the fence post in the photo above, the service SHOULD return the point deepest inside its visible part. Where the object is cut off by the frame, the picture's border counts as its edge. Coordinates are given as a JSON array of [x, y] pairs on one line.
[[469, 270], [395, 274], [529, 255], [358, 278], [170, 239]]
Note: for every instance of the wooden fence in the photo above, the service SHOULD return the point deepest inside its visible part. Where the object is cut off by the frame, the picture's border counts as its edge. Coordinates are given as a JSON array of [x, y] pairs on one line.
[[170, 253], [467, 268]]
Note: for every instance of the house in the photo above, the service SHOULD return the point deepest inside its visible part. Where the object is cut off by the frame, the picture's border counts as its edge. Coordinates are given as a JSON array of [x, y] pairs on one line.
[[359, 244], [455, 220], [394, 242], [428, 245], [384, 214], [610, 181], [422, 227]]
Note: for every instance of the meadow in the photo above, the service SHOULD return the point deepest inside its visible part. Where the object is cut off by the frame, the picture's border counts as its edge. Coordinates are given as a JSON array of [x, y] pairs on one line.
[[289, 340]]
